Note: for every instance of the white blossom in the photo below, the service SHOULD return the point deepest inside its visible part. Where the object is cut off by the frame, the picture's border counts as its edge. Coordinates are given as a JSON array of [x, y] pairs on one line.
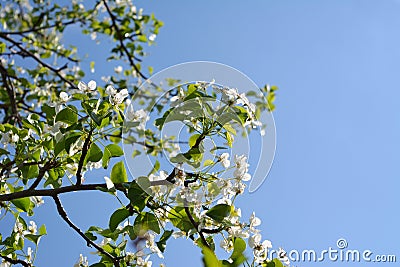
[[224, 159], [37, 200], [82, 261], [227, 244], [260, 250], [93, 36], [85, 88], [241, 168], [150, 243], [64, 97], [110, 90], [118, 69], [9, 138], [254, 221], [32, 228], [117, 98], [138, 115], [143, 262], [152, 37], [109, 183], [238, 231], [29, 254]]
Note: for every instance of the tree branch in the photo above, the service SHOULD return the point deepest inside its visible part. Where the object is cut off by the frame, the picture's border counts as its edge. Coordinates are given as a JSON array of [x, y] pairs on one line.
[[64, 216], [17, 261], [121, 42], [196, 225], [41, 62], [56, 191], [85, 149], [10, 92], [48, 165], [41, 28]]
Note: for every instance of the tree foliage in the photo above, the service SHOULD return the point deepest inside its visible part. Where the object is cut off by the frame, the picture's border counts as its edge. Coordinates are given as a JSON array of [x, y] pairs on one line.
[[57, 129]]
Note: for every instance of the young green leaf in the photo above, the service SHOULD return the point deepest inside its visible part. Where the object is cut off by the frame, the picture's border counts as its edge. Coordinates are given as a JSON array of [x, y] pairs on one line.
[[111, 150], [67, 115], [161, 244], [117, 217], [22, 203], [118, 173], [94, 154], [147, 221], [209, 258], [219, 212]]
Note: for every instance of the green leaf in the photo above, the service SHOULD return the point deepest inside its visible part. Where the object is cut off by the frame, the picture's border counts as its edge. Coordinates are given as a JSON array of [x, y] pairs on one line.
[[208, 162], [209, 258], [2, 47], [179, 219], [43, 230], [94, 154], [92, 66], [146, 221], [117, 217], [193, 139], [161, 244], [239, 246], [99, 264], [155, 168], [118, 173], [22, 203], [219, 212], [95, 118], [49, 111], [229, 128], [229, 139], [137, 196], [59, 146], [67, 115], [111, 150], [34, 238]]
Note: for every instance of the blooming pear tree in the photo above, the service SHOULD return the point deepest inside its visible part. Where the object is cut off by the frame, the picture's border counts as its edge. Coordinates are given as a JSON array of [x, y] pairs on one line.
[[58, 129]]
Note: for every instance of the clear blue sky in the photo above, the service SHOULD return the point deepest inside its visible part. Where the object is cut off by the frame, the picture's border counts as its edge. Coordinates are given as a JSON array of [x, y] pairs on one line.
[[336, 170]]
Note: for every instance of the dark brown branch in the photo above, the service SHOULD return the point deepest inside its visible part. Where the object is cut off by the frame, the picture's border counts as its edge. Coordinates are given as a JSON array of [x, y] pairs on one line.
[[27, 108], [85, 150], [64, 216], [196, 226], [10, 92], [41, 62], [41, 28], [56, 191], [17, 261], [47, 166], [212, 231], [121, 41]]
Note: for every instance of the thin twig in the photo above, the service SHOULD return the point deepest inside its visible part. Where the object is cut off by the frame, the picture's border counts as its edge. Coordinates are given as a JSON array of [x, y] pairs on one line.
[[10, 92], [196, 226], [64, 216], [121, 42], [17, 261], [85, 149], [41, 28], [47, 166], [41, 62]]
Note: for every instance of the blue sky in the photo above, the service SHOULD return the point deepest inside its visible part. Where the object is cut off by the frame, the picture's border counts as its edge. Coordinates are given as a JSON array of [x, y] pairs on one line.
[[335, 173]]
